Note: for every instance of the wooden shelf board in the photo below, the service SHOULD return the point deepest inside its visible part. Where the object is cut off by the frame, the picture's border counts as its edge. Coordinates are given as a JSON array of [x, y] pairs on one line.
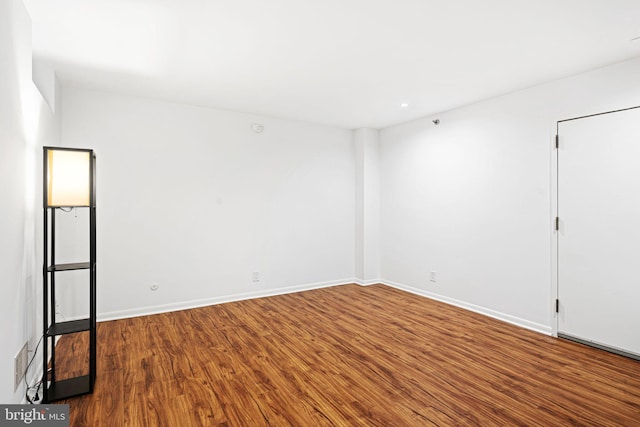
[[71, 387], [71, 266], [71, 327]]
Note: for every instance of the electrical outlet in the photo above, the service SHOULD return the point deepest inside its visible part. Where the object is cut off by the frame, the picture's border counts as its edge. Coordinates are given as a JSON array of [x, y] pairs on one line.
[[255, 277], [20, 363], [432, 277]]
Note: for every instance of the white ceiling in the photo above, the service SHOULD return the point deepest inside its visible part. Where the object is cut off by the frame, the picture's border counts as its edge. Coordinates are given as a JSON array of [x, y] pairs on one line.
[[348, 63]]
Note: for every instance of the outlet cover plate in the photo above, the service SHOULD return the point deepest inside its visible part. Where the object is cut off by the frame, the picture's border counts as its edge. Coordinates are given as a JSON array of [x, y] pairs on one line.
[[20, 365]]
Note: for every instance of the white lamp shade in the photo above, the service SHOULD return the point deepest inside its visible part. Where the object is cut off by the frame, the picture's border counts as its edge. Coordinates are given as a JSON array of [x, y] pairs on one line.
[[68, 178]]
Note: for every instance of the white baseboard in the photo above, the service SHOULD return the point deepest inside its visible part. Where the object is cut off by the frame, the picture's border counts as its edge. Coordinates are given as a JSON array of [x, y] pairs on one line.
[[367, 282], [185, 305], [536, 327]]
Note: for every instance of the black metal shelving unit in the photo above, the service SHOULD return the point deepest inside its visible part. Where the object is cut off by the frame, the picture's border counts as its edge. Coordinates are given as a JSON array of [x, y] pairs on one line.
[[54, 389]]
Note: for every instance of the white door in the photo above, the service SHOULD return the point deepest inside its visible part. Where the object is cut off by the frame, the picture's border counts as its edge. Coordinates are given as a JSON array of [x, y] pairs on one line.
[[599, 235]]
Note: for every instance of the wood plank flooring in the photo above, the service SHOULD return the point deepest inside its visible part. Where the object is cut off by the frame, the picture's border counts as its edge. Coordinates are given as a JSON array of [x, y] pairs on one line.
[[345, 356]]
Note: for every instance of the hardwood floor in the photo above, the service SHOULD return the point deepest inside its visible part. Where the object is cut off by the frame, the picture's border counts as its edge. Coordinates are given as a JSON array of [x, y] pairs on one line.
[[343, 356]]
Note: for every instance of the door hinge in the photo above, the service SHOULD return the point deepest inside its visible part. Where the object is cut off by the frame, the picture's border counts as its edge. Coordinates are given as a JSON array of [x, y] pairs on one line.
[[557, 141], [557, 223], [557, 306]]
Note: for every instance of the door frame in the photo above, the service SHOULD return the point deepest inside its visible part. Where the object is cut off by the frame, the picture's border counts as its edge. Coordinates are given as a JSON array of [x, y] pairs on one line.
[[555, 241]]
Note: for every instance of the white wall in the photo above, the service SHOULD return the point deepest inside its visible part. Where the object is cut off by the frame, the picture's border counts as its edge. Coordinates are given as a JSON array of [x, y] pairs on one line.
[[367, 193], [471, 198], [193, 199], [26, 123]]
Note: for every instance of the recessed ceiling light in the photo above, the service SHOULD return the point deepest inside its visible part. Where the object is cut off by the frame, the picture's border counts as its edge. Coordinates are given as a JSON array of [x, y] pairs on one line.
[[404, 105]]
